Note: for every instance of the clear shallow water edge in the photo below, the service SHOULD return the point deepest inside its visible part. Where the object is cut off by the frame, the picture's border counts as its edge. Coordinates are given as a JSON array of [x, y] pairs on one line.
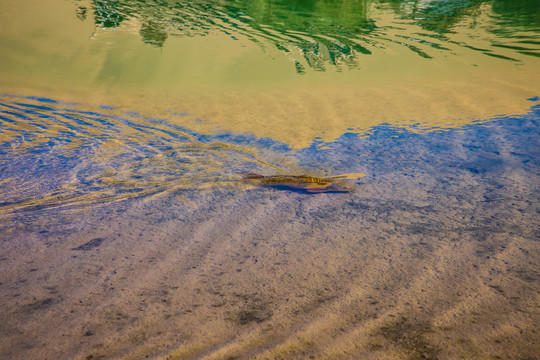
[[435, 256]]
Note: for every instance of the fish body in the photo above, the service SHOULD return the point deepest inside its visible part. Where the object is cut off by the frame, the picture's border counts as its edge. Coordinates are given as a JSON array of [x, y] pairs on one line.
[[304, 183]]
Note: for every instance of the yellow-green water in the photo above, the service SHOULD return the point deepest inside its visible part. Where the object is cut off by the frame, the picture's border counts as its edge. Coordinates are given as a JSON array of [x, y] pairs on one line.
[[292, 71]]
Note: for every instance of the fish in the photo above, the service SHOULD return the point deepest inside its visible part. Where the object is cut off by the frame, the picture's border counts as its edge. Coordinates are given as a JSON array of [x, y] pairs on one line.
[[303, 183]]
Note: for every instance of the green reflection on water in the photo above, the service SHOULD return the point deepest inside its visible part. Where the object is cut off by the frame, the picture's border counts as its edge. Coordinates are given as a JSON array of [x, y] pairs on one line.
[[233, 62], [323, 31], [443, 16]]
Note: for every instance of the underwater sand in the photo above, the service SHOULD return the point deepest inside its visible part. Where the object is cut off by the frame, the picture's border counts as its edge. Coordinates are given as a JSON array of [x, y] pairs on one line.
[[435, 256]]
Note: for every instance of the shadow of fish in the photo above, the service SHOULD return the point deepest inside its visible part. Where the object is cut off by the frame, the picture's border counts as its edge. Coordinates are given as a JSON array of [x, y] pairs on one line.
[[302, 183]]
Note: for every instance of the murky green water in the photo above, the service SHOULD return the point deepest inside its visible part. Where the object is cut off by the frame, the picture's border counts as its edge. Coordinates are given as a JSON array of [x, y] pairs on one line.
[[132, 224]]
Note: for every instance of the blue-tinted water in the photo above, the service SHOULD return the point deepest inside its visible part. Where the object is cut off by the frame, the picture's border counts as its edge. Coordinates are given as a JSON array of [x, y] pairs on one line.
[[58, 154], [158, 239]]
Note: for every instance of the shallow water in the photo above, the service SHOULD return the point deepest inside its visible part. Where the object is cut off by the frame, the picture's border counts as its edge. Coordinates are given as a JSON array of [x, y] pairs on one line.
[[128, 231]]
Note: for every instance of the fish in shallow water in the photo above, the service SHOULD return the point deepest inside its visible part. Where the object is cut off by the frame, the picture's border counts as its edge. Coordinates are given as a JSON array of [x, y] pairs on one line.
[[303, 183]]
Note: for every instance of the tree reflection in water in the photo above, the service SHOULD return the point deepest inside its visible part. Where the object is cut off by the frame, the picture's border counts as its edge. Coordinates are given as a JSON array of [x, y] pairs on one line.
[[319, 33]]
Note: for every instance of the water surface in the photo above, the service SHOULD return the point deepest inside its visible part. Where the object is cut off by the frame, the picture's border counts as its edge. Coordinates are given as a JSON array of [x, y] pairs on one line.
[[292, 71], [128, 231]]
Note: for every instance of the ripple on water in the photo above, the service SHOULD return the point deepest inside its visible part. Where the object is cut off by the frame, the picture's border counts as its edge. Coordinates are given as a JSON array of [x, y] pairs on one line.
[[318, 34], [56, 154]]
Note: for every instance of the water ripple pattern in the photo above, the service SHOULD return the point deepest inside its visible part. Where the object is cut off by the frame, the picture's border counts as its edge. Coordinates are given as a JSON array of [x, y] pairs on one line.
[[56, 154], [322, 33]]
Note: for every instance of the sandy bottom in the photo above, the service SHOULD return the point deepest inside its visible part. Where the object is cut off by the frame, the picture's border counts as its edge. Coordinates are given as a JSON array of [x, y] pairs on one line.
[[436, 256]]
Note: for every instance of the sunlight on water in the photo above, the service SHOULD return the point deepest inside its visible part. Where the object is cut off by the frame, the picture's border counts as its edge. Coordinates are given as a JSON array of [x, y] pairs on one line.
[[292, 71], [56, 154]]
